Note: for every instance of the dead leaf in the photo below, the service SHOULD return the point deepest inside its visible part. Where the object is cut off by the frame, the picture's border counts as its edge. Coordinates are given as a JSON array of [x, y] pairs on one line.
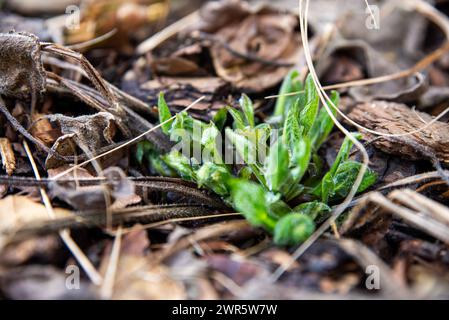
[[125, 16], [90, 132], [41, 282], [43, 130], [8, 158], [264, 33], [137, 278], [17, 212], [44, 249], [22, 74]]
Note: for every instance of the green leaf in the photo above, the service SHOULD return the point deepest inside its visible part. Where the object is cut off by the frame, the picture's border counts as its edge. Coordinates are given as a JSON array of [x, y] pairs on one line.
[[209, 143], [313, 209], [238, 118], [326, 188], [142, 149], [301, 155], [289, 85], [343, 153], [248, 109], [324, 124], [276, 166], [180, 164], [164, 113], [248, 152], [293, 229], [346, 175], [220, 118], [277, 208], [245, 173], [309, 113], [158, 166], [292, 131], [214, 177], [248, 198], [310, 89]]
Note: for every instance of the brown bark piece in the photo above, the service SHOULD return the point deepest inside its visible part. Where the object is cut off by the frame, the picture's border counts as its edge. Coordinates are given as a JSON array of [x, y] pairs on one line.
[[393, 118]]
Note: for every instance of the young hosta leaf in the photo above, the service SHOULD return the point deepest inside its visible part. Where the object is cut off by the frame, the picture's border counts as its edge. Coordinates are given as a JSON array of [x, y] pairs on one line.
[[146, 154], [164, 114], [248, 109], [308, 114], [220, 118], [301, 154], [289, 85], [326, 188], [248, 198], [209, 143], [142, 149], [158, 166], [248, 152], [310, 89], [239, 123], [276, 206], [180, 164], [343, 153], [345, 176], [293, 229], [292, 130], [324, 124], [313, 209], [214, 177], [276, 166], [293, 191]]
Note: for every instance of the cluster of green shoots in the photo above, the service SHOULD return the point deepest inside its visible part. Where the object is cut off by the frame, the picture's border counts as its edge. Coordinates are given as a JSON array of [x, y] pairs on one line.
[[267, 189]]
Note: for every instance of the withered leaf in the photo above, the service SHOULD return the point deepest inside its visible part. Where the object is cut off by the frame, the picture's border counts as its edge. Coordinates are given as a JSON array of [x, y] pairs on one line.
[[264, 33], [22, 74], [91, 131], [17, 212]]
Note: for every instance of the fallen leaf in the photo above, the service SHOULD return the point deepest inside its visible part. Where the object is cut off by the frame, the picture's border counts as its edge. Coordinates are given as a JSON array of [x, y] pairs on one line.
[[8, 158], [136, 277], [41, 282], [17, 212], [261, 35], [22, 74]]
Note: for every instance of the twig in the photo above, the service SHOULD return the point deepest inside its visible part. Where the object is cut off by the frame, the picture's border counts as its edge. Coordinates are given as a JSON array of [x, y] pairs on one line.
[[165, 34]]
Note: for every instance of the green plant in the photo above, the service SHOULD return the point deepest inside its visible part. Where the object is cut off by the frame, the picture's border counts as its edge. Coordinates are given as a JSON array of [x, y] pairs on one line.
[[271, 177]]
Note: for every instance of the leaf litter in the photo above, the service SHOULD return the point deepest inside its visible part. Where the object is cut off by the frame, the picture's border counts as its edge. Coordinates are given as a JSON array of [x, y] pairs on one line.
[[145, 219]]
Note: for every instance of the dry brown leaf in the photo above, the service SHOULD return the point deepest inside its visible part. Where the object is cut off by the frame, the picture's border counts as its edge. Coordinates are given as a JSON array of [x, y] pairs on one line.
[[136, 278], [17, 212], [22, 74], [263, 35], [91, 132], [8, 158], [43, 130], [126, 16]]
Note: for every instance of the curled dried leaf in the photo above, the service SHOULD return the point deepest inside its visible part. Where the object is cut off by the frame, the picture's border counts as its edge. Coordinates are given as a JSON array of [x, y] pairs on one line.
[[22, 74]]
